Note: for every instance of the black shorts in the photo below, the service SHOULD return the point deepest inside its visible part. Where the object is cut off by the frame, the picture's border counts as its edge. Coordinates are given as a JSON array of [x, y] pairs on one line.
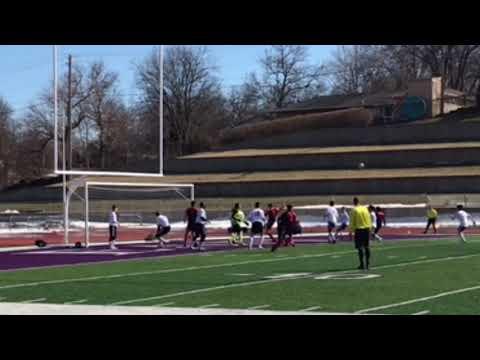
[[270, 224], [257, 228], [162, 231], [342, 227], [191, 226], [461, 229], [331, 226], [200, 230], [377, 229], [112, 232], [362, 238]]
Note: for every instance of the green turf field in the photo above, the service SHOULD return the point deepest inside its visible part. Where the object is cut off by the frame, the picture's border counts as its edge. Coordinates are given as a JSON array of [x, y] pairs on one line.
[[408, 277]]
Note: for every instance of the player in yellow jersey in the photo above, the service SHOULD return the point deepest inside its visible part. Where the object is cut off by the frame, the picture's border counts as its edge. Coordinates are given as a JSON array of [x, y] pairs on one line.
[[361, 226]]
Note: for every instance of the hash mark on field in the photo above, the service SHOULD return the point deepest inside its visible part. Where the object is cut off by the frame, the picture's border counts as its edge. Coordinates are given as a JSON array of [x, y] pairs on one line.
[[32, 301], [312, 308], [166, 304], [258, 307], [425, 312], [208, 306], [75, 302], [241, 274]]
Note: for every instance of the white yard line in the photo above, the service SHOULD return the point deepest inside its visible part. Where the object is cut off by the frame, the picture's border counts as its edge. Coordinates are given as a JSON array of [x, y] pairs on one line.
[[275, 279], [202, 290], [33, 301], [205, 267], [312, 308], [425, 312], [239, 274], [258, 307], [208, 306], [417, 300]]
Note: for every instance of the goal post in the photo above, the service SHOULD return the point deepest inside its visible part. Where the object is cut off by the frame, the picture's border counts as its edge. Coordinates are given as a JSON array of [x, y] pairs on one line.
[[140, 200]]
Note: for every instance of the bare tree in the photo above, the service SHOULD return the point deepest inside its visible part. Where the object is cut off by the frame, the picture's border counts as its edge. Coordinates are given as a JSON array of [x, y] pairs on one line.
[[193, 101], [287, 76]]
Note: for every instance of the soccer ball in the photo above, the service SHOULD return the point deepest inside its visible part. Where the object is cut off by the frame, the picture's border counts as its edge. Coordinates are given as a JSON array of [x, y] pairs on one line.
[[361, 165]]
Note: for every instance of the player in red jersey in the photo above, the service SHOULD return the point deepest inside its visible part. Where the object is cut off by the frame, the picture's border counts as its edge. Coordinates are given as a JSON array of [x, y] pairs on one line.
[[190, 218], [271, 213], [288, 220]]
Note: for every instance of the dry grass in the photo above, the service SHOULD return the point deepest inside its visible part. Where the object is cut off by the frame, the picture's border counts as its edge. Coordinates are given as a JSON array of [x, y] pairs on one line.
[[330, 150], [334, 119]]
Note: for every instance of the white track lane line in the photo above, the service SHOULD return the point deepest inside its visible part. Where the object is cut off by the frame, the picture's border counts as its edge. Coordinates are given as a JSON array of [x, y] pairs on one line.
[[417, 300], [301, 276]]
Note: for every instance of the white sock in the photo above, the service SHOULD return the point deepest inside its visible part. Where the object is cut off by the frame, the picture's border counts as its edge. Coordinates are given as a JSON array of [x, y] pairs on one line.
[[462, 236], [261, 241], [252, 239]]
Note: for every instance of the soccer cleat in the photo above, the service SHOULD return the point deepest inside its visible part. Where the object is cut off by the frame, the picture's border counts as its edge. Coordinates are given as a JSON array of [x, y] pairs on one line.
[[361, 267], [113, 247], [260, 247]]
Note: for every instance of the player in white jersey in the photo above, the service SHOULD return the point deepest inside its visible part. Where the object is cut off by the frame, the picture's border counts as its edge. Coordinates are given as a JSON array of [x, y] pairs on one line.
[[258, 219], [113, 227], [344, 222], [331, 216], [163, 228], [373, 216], [462, 217], [200, 228]]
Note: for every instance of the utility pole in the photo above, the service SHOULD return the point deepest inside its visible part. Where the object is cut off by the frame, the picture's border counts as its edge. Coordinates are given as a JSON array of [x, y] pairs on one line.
[[68, 130]]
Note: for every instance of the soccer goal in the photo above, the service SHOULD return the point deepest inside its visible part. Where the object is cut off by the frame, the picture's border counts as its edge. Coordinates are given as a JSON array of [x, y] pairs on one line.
[[89, 202]]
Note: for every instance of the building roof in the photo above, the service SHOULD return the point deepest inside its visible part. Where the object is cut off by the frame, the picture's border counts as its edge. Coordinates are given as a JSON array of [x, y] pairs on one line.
[[337, 102]]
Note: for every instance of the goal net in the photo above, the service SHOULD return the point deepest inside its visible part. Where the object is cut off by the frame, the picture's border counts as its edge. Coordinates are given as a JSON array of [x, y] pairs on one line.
[[90, 202]]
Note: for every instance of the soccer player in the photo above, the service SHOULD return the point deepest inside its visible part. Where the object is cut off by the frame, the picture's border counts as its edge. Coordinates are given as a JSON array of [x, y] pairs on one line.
[[163, 228], [200, 228], [373, 217], [331, 216], [190, 218], [361, 226], [239, 225], [113, 227], [432, 216], [462, 216], [257, 219], [344, 222], [288, 222], [381, 222], [271, 214]]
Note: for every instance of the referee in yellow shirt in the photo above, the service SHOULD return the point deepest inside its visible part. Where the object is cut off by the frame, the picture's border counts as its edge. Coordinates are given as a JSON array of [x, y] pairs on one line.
[[361, 226]]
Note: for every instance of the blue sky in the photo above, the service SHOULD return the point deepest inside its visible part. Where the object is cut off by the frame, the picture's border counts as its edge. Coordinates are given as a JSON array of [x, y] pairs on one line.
[[27, 69]]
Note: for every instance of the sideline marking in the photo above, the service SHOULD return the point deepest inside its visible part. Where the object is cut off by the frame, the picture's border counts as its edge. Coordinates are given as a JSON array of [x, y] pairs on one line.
[[166, 304]]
